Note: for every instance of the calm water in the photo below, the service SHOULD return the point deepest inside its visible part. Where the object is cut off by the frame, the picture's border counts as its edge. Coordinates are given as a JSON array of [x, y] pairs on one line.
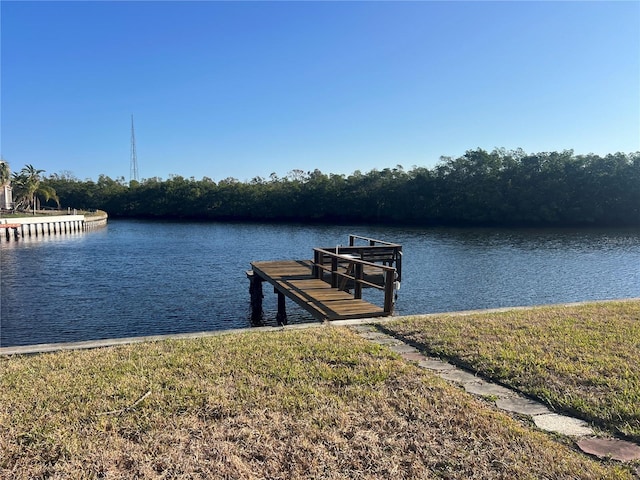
[[147, 278]]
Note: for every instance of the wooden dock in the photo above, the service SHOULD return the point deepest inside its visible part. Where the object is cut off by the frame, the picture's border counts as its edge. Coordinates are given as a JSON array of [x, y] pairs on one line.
[[330, 286]]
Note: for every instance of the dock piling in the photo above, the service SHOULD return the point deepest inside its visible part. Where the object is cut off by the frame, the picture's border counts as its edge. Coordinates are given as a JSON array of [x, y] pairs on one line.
[[281, 316], [255, 293]]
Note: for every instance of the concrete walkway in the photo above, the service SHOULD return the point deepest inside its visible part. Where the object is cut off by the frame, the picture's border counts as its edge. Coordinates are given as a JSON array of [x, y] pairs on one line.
[[509, 400]]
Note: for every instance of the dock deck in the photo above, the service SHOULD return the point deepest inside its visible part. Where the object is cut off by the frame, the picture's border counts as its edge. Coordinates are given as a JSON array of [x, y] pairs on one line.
[[330, 286], [295, 279]]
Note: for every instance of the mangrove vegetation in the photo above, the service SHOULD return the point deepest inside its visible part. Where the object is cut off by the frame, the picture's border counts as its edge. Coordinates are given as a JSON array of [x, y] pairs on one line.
[[497, 188]]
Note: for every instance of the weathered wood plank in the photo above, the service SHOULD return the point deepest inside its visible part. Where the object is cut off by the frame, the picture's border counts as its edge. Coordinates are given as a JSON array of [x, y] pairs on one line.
[[294, 279]]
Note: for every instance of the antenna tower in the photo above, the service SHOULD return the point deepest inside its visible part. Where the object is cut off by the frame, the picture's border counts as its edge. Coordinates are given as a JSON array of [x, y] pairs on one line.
[[134, 157]]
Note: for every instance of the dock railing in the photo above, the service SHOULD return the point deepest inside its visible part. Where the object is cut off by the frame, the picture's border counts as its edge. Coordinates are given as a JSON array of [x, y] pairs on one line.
[[378, 251], [374, 251], [347, 264]]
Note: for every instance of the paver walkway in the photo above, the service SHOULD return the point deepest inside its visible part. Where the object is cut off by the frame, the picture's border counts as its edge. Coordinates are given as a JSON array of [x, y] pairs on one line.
[[510, 400]]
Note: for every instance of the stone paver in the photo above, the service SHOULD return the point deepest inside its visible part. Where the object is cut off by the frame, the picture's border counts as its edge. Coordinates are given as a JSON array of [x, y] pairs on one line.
[[610, 448], [412, 356], [487, 389], [371, 334], [436, 364], [384, 340], [569, 426], [364, 328], [459, 376], [522, 405], [403, 348]]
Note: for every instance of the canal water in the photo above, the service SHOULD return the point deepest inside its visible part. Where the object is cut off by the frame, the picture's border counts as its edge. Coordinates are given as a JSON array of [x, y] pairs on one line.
[[137, 278]]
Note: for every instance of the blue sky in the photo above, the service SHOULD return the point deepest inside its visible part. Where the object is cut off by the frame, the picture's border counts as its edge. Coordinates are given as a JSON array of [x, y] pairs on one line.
[[246, 89]]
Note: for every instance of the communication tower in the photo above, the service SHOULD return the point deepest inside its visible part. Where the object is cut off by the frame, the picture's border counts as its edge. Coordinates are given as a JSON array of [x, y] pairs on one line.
[[134, 157]]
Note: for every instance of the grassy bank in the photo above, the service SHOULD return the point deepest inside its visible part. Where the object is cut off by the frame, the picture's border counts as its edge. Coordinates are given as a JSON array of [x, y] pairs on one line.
[[584, 359], [315, 403]]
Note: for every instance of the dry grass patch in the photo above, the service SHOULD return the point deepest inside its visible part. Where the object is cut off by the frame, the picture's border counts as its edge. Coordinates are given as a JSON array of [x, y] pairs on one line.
[[318, 403], [581, 359]]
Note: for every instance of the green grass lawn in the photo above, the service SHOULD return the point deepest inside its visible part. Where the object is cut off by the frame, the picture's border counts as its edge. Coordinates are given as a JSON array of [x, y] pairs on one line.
[[313, 403], [584, 360]]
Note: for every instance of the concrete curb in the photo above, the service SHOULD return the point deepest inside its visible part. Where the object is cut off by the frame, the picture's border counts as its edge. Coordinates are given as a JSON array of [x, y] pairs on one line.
[[112, 342]]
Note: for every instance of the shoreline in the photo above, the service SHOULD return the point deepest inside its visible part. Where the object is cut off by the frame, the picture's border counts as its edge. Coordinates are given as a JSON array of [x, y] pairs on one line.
[[110, 342]]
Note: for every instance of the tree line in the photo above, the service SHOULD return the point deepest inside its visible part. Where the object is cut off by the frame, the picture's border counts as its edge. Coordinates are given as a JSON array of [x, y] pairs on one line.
[[479, 188]]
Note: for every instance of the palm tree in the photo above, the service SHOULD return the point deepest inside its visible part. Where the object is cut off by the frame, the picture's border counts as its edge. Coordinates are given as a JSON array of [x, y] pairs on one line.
[[20, 190], [5, 172], [46, 193], [28, 188]]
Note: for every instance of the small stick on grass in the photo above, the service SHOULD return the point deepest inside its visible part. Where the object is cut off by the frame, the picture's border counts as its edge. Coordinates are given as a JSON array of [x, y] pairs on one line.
[[130, 407]]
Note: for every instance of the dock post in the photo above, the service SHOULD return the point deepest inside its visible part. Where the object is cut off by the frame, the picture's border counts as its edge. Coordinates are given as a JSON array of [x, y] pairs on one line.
[[357, 285], [389, 284], [255, 293], [334, 272], [281, 316], [317, 260]]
